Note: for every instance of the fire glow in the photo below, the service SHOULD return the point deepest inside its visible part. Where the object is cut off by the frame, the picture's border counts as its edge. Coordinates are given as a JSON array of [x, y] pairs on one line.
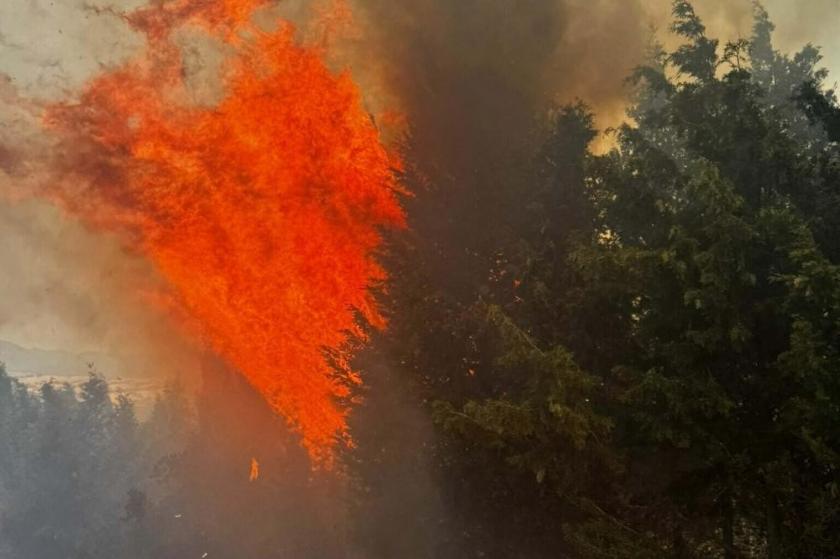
[[263, 212]]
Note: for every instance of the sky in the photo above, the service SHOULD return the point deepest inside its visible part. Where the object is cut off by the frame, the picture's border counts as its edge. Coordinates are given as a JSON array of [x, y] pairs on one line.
[[62, 287]]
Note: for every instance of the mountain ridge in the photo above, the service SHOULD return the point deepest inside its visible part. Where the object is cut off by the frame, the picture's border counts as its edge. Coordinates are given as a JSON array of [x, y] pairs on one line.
[[24, 360]]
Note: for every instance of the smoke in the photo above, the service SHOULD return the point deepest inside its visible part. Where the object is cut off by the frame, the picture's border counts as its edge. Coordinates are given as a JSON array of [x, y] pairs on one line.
[[810, 22], [470, 77], [64, 287], [472, 73], [50, 49]]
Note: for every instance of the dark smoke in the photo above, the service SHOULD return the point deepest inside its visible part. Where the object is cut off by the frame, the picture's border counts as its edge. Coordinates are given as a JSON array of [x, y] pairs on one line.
[[471, 75]]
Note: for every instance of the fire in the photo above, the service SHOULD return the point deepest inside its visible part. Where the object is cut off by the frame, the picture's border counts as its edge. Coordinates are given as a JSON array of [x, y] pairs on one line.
[[254, 473], [263, 212]]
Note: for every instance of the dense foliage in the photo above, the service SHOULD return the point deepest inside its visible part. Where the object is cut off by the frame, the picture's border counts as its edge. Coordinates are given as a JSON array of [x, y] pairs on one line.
[[82, 478], [646, 363]]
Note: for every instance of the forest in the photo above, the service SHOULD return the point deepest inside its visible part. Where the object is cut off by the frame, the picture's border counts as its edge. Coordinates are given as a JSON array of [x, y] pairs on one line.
[[627, 354]]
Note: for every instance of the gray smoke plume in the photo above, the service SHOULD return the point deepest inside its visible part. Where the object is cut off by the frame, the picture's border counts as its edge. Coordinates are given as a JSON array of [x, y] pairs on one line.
[[469, 75]]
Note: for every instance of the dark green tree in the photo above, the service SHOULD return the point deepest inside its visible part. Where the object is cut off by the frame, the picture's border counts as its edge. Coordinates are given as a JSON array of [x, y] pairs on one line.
[[647, 365]]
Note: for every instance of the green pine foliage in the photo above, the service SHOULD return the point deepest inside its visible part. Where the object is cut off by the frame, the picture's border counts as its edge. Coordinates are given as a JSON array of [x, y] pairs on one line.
[[650, 368]]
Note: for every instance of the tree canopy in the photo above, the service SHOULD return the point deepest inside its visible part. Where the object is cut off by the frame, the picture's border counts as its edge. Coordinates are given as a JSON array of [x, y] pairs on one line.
[[648, 366]]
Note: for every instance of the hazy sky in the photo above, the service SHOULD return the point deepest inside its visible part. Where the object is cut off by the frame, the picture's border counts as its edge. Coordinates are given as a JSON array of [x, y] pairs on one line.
[[63, 287]]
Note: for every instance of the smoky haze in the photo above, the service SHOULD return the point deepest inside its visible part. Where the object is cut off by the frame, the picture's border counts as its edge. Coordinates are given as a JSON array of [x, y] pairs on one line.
[[454, 66], [68, 288], [470, 77]]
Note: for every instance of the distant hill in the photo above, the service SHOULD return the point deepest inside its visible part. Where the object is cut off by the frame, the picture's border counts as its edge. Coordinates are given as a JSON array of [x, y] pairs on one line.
[[32, 361]]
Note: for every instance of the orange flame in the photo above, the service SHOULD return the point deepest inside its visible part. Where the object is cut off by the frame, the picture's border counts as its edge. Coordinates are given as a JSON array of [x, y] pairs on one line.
[[263, 212], [254, 473]]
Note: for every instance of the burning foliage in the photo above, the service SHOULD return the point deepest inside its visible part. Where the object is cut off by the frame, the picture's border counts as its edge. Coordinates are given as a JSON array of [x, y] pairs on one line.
[[252, 209], [254, 472]]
